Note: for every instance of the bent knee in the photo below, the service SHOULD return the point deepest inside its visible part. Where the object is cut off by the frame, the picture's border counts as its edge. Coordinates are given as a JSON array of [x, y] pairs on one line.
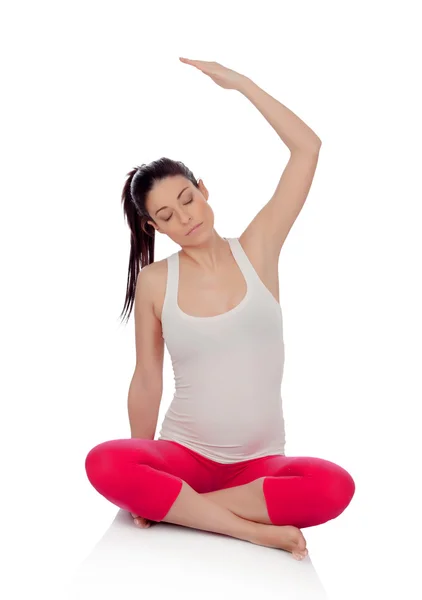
[[341, 488], [100, 462]]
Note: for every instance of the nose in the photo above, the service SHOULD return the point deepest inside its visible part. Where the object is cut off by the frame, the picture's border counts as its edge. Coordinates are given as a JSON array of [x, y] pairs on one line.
[[185, 219]]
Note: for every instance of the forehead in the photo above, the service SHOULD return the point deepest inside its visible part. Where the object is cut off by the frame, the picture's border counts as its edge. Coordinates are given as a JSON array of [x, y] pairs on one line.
[[168, 189]]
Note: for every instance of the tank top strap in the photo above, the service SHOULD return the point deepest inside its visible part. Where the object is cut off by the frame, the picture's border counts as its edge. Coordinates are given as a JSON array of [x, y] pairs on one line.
[[255, 286], [244, 263], [172, 281]]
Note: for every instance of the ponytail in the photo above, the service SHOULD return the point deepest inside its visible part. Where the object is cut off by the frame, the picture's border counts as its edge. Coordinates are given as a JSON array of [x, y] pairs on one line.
[[139, 183]]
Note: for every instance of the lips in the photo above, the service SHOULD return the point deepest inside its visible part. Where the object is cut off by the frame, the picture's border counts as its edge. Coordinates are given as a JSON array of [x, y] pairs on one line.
[[193, 228]]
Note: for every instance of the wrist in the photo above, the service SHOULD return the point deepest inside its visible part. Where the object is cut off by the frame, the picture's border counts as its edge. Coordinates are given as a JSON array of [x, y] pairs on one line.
[[244, 84]]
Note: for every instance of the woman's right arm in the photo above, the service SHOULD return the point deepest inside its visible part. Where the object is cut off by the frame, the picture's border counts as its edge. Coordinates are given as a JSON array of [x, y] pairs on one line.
[[146, 387]]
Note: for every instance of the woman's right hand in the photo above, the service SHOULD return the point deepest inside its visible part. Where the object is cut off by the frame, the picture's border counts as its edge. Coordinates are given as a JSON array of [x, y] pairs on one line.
[[141, 522]]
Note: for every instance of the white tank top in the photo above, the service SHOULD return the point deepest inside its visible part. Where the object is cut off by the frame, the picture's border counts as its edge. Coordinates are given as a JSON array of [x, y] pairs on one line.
[[228, 370]]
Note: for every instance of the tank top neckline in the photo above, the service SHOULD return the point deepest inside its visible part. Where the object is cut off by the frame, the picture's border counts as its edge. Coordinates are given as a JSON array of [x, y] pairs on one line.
[[228, 313]]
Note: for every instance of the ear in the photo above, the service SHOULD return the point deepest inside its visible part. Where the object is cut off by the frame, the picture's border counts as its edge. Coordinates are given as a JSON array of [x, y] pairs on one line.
[[154, 225], [203, 189]]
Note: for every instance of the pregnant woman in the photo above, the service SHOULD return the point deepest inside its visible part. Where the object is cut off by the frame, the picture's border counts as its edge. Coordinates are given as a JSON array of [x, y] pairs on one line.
[[219, 462]]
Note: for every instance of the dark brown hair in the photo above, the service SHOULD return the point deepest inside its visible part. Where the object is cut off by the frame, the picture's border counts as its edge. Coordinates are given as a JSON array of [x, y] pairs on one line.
[[139, 183]]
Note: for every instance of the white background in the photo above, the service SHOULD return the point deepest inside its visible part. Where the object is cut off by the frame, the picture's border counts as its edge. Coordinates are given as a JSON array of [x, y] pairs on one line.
[[91, 90]]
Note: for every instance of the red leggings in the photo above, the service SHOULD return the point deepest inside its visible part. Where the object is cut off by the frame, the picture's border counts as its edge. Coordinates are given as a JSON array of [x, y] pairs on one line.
[[145, 477]]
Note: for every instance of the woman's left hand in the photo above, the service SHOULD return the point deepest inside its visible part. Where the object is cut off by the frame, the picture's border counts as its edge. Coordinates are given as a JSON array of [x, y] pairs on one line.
[[224, 77]]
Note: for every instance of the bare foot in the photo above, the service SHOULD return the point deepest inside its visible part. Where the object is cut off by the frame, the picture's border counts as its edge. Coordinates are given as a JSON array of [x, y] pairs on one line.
[[286, 537], [141, 522]]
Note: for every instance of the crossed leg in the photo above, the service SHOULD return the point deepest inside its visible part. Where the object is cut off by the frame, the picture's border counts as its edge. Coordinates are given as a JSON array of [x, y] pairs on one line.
[[246, 501], [299, 491]]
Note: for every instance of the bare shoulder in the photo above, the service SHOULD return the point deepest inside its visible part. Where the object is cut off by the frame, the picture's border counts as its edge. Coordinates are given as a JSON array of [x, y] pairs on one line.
[[155, 277]]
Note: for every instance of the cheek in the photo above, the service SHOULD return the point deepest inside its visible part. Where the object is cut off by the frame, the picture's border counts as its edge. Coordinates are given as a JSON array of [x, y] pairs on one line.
[[208, 212], [205, 209]]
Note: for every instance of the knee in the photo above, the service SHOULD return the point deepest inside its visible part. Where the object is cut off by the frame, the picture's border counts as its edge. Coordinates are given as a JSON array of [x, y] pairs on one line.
[[341, 489], [100, 462]]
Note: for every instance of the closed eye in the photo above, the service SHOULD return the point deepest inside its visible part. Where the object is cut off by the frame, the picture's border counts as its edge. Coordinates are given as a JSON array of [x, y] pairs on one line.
[[191, 200]]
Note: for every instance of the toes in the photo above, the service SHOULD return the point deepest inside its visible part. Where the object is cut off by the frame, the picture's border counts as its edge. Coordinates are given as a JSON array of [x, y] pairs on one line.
[[300, 551], [300, 554], [142, 523]]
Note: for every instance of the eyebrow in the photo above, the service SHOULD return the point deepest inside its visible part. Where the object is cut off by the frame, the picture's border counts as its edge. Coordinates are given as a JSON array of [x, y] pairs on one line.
[[180, 193]]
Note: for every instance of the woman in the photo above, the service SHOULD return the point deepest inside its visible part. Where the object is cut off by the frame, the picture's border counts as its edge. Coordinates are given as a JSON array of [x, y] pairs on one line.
[[219, 462]]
